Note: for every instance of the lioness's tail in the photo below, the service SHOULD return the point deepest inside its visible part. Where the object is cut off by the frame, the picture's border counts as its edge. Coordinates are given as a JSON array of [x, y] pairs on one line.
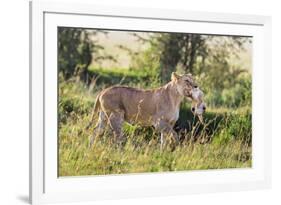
[[95, 111]]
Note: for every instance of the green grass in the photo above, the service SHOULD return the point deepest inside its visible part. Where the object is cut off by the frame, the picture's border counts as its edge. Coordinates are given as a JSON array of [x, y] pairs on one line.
[[228, 132], [77, 159], [142, 153]]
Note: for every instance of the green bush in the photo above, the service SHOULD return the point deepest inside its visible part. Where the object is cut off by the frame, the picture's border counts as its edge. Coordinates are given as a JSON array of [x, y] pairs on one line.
[[70, 106], [238, 95], [235, 126]]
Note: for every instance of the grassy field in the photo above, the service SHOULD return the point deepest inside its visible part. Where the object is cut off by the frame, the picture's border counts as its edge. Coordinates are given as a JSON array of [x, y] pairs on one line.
[[223, 142]]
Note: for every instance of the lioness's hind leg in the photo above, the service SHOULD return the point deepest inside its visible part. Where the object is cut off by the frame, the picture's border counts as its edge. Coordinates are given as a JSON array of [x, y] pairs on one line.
[[99, 128]]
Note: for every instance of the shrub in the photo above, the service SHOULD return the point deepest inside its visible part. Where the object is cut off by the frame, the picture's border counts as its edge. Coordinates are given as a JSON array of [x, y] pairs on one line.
[[69, 106], [235, 126], [237, 95]]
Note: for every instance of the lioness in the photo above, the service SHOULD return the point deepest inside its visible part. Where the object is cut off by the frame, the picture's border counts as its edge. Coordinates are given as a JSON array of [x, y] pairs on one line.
[[154, 107]]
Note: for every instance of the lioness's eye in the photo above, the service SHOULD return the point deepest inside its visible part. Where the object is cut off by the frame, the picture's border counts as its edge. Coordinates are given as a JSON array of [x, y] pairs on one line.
[[195, 86]]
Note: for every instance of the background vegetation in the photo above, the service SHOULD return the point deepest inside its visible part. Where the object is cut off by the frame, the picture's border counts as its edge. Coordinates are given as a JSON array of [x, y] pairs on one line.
[[87, 65]]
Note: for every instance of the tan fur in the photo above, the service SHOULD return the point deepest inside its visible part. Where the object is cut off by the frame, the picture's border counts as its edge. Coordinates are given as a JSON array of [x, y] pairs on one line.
[[154, 107]]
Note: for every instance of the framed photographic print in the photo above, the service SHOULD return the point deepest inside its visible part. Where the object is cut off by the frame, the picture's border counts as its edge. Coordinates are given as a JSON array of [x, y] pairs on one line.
[[129, 102]]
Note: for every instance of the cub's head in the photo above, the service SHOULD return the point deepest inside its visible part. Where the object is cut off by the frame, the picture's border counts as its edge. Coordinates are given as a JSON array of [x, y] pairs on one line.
[[187, 87]]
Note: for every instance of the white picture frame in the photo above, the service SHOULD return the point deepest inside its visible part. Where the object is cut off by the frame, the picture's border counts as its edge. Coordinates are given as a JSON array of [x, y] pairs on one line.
[[46, 186]]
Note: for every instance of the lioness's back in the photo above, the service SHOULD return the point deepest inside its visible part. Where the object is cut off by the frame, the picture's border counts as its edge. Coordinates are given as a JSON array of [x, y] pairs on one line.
[[127, 99], [124, 93]]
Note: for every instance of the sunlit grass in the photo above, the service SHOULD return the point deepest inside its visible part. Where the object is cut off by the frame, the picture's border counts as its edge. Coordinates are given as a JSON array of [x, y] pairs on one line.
[[142, 155]]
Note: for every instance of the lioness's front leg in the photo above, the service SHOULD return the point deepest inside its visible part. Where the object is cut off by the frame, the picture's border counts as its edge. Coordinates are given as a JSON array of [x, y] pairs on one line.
[[116, 120], [166, 129]]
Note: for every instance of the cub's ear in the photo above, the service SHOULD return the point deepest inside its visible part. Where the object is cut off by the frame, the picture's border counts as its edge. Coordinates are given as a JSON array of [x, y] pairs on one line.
[[174, 76]]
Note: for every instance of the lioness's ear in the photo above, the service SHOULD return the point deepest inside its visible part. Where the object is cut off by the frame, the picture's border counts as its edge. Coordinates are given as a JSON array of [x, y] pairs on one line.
[[175, 76]]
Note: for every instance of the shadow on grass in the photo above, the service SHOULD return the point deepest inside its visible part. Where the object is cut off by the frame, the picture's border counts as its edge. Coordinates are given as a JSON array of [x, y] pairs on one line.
[[109, 77], [187, 122]]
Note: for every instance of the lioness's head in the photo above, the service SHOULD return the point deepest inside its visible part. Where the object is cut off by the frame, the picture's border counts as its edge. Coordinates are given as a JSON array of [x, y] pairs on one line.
[[187, 87]]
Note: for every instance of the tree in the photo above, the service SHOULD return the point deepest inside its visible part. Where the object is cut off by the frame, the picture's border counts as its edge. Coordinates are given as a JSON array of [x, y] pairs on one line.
[[175, 49], [74, 48]]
